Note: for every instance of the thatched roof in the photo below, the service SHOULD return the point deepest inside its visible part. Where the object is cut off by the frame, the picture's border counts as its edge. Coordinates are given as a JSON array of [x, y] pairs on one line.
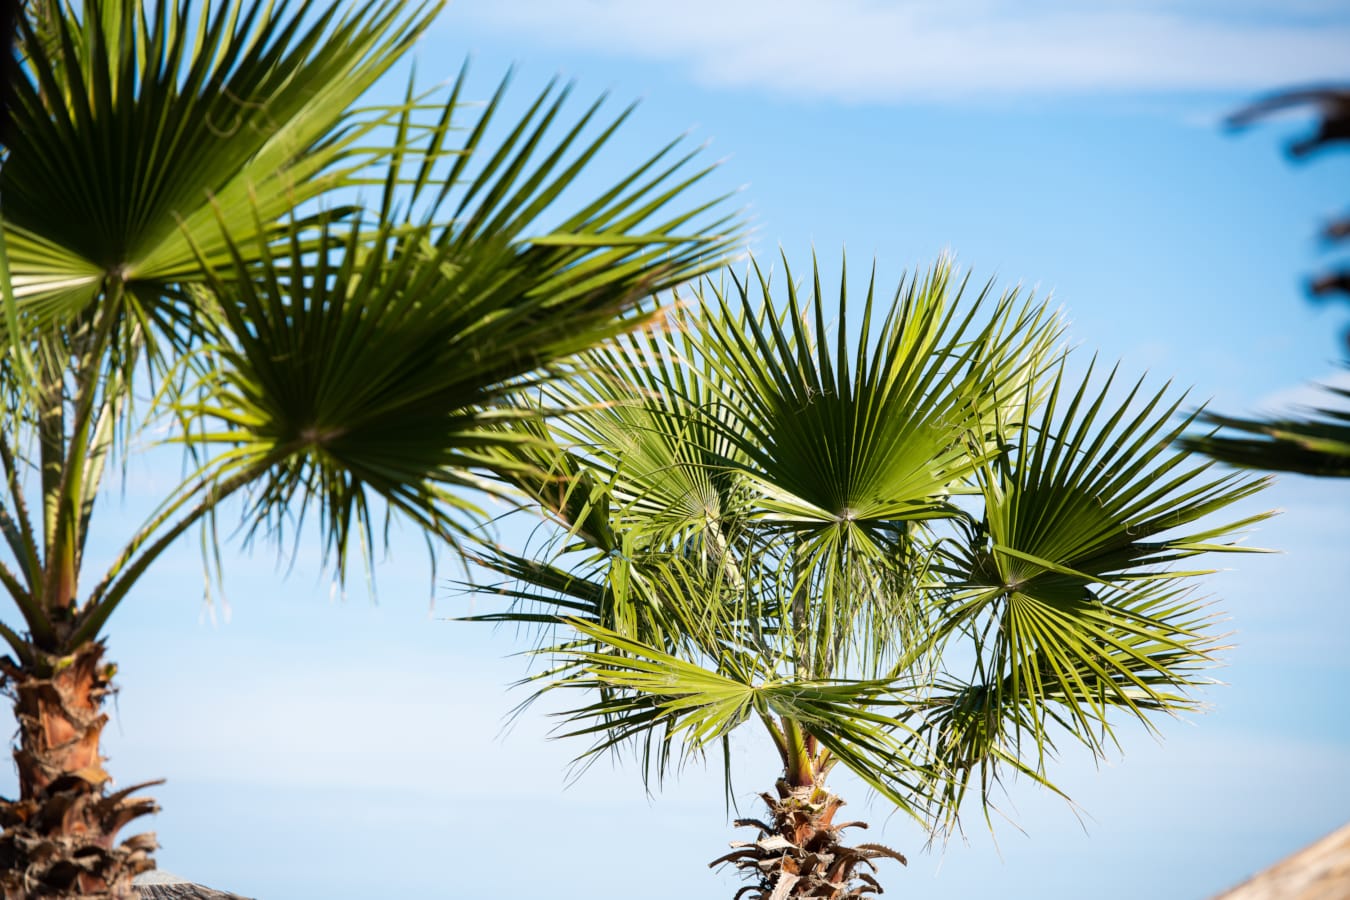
[[1320, 871], [157, 885]]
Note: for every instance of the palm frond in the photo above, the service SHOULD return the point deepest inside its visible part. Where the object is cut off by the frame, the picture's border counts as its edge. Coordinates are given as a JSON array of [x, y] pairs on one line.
[[1097, 492], [383, 363], [140, 128], [1065, 588], [1318, 444], [1063, 668], [674, 708], [851, 443]]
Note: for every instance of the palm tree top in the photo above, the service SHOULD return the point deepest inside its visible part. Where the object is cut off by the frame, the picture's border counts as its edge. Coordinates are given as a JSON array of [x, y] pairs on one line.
[[913, 545]]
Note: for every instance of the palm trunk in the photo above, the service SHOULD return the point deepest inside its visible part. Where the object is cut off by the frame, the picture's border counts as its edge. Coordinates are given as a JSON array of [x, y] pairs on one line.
[[59, 837], [798, 853]]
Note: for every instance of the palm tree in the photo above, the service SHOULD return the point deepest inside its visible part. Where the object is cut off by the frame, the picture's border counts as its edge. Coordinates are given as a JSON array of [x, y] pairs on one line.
[[919, 551], [183, 221]]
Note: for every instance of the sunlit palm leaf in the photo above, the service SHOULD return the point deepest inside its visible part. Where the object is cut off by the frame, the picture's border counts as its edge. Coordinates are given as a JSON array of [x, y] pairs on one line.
[[851, 440], [1097, 492], [830, 448], [663, 599], [138, 130], [686, 708], [557, 480], [971, 730], [1063, 587], [654, 427], [1050, 669]]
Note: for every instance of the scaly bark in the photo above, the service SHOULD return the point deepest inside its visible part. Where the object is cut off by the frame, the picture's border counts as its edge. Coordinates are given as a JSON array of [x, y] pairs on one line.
[[59, 837], [798, 853]]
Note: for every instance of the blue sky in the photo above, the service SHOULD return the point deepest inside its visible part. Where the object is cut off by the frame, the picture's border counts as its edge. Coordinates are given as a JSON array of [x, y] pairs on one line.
[[322, 746]]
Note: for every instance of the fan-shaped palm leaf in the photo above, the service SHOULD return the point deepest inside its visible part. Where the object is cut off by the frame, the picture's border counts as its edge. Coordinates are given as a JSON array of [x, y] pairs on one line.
[[1063, 585], [378, 365], [844, 437], [138, 129], [853, 442]]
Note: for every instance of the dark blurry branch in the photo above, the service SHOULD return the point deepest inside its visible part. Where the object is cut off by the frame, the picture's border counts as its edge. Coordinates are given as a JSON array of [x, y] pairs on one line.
[[1320, 443], [1317, 446], [1332, 103]]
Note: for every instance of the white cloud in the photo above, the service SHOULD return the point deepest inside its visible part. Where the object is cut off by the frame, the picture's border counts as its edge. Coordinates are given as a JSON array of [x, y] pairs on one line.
[[865, 50]]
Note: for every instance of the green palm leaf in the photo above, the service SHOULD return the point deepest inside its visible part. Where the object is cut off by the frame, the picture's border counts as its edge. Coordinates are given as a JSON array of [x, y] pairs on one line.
[[358, 365], [181, 216], [839, 436], [139, 131], [1064, 589], [1315, 445], [853, 442], [1096, 492], [165, 203], [676, 708]]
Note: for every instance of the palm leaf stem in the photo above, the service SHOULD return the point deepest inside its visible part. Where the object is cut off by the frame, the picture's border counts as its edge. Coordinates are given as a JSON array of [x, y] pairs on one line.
[[33, 614], [51, 442], [22, 598], [23, 543], [23, 649], [100, 445], [63, 541], [798, 771], [18, 529]]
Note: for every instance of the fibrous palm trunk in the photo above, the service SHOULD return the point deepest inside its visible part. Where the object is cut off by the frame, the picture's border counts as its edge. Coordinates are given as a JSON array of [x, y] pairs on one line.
[[798, 853], [59, 837]]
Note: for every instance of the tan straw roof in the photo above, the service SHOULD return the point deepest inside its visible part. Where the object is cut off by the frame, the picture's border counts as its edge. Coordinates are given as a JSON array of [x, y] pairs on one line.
[[1320, 871], [158, 885]]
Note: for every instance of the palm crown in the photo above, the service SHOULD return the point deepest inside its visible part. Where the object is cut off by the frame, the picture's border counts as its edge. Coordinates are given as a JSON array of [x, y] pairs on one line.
[[916, 550]]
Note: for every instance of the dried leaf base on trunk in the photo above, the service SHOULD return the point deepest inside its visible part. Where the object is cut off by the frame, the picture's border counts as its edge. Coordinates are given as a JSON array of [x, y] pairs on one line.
[[798, 853], [59, 839]]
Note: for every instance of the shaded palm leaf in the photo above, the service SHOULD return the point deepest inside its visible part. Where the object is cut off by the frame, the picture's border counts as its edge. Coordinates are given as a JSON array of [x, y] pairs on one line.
[[357, 365], [1318, 445]]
